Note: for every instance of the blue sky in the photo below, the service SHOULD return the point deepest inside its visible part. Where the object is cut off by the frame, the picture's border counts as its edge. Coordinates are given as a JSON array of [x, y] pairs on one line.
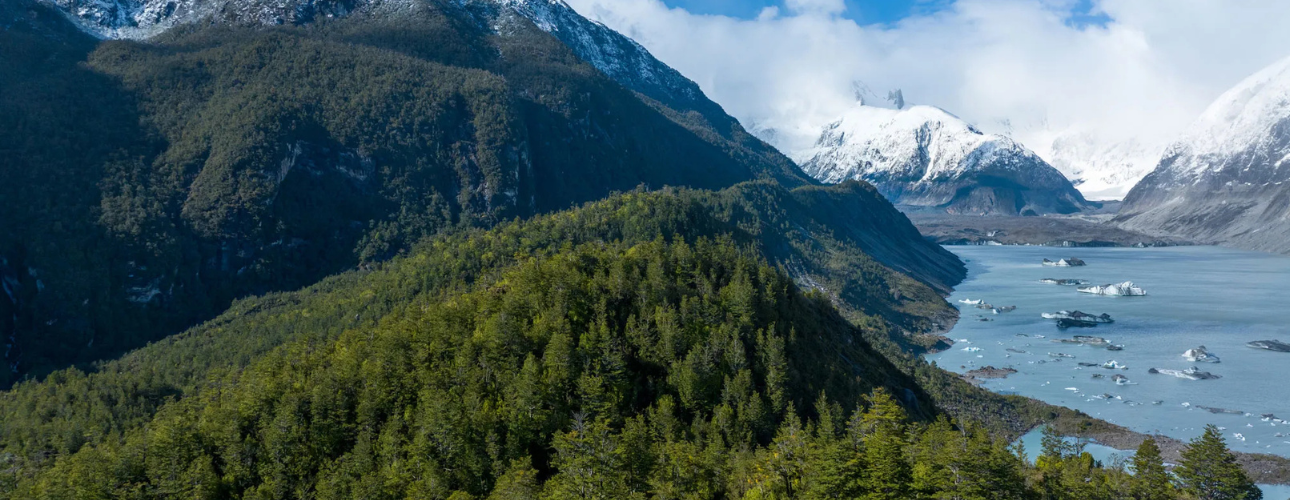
[[864, 11]]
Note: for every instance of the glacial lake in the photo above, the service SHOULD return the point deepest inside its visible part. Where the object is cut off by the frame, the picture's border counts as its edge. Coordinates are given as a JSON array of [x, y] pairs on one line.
[[1216, 297]]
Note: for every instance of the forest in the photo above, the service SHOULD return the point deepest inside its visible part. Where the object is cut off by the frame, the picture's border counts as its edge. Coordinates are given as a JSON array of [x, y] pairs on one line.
[[603, 370], [414, 257]]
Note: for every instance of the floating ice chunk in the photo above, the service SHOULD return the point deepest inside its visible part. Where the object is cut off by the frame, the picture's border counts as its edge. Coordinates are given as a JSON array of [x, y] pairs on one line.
[[1192, 373], [1271, 345], [1238, 435], [1114, 365], [1078, 315], [1199, 354], [972, 349], [1067, 262], [1125, 289], [1073, 389], [971, 301], [1064, 281]]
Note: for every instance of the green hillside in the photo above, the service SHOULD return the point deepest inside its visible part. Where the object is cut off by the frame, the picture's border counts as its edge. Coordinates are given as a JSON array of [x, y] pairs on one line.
[[649, 345], [147, 185]]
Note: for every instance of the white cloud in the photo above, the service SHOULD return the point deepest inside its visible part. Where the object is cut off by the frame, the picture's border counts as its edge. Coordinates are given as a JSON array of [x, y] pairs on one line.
[[816, 6], [1005, 65]]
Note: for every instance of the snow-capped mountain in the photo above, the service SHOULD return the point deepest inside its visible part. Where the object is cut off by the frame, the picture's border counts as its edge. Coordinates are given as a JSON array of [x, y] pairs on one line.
[[618, 56], [1225, 180], [923, 156], [1099, 167]]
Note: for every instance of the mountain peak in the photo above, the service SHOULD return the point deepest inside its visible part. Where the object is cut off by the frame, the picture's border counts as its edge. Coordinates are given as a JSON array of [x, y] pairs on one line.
[[1226, 180], [925, 156]]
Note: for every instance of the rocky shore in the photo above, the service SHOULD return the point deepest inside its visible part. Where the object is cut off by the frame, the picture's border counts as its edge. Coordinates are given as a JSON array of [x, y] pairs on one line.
[[987, 372], [1058, 231], [1262, 468]]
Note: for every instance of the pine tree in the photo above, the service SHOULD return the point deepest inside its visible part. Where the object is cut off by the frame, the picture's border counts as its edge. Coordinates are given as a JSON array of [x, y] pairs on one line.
[[883, 427], [1209, 470], [1150, 480]]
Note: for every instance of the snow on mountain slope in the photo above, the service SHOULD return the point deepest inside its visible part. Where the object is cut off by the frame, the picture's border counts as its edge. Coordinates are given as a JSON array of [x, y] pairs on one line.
[[1101, 168], [1225, 180], [614, 54], [926, 157], [618, 56]]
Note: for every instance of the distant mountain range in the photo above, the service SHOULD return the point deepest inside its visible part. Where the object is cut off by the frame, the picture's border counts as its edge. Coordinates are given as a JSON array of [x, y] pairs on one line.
[[925, 157], [1226, 180]]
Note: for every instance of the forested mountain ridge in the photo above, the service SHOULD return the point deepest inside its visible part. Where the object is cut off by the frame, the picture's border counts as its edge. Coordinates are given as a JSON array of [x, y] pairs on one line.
[[643, 345], [147, 184], [73, 408]]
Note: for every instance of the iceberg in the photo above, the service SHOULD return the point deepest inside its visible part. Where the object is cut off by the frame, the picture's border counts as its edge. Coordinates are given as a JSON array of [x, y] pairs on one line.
[[1090, 340], [1201, 355], [1120, 379], [1075, 323], [1060, 355], [1220, 411], [1271, 345], [1125, 289], [1087, 340], [972, 349], [1114, 365], [971, 301], [1078, 315], [1067, 262], [1192, 373], [1063, 281]]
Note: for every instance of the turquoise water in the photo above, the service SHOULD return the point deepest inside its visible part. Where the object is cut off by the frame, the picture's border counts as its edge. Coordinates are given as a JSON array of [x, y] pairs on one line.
[[1210, 296]]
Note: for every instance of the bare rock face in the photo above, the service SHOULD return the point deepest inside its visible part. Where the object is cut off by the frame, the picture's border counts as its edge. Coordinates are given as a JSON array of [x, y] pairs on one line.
[[1224, 182], [988, 372], [924, 157]]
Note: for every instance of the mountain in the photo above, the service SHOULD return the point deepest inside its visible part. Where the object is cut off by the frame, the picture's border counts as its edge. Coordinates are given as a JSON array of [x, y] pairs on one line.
[[1225, 180], [725, 267], [1101, 168], [924, 157], [617, 56], [148, 183]]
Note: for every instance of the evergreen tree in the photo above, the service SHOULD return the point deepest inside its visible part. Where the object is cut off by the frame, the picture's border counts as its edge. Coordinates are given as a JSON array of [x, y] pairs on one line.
[[883, 427], [1209, 471], [1150, 480]]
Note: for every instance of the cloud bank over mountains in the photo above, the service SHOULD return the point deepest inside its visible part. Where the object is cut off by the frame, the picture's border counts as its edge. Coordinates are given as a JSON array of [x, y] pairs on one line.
[[1093, 90]]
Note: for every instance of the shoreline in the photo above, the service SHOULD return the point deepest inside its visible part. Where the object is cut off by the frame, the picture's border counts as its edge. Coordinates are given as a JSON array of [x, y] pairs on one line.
[[1049, 231], [1262, 468]]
